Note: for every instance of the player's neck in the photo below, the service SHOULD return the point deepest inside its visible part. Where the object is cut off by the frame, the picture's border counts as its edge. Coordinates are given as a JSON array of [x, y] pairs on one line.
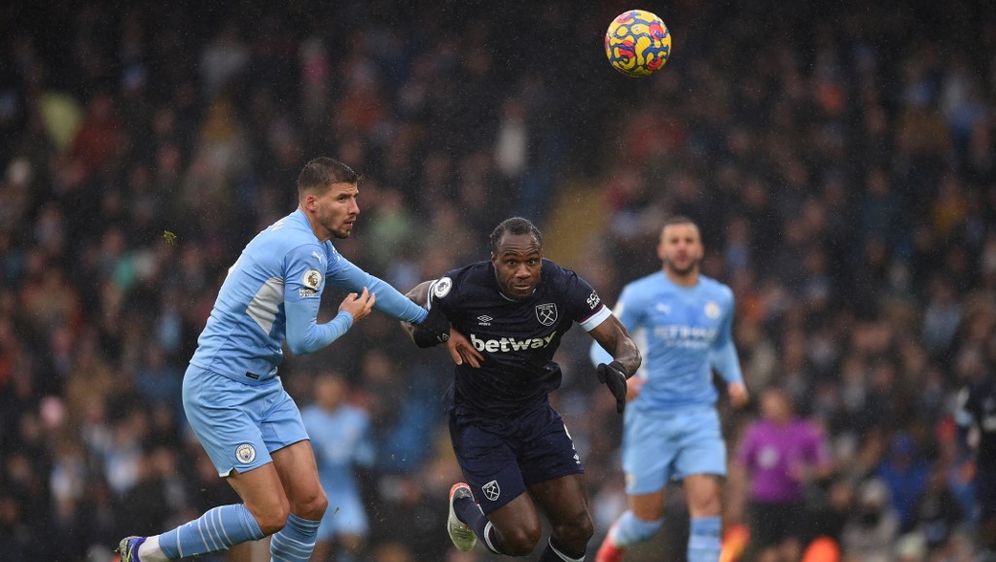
[[689, 279], [316, 228]]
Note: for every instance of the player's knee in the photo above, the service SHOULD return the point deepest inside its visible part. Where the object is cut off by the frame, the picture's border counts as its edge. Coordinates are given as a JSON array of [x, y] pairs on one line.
[[273, 519], [574, 532], [313, 506], [710, 505], [269, 510], [520, 541]]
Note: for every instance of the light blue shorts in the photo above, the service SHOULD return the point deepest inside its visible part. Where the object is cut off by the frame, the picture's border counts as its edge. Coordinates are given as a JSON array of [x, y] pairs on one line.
[[239, 424], [662, 446], [344, 516]]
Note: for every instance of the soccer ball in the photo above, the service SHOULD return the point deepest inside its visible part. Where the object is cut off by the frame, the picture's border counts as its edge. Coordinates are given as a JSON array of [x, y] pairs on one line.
[[637, 43]]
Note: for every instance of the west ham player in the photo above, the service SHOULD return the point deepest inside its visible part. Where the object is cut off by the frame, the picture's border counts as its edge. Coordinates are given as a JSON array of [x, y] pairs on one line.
[[508, 440], [671, 429], [235, 403]]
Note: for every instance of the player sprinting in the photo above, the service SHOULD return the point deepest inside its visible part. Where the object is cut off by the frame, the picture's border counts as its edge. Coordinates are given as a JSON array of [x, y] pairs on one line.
[[671, 428], [340, 437], [508, 315], [236, 405]]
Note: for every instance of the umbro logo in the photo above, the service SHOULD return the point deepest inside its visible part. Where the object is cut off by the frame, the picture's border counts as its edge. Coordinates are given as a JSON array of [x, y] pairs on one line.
[[663, 308], [484, 320]]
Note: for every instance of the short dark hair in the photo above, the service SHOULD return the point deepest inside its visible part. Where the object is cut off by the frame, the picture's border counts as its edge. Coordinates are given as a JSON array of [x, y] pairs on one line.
[[322, 172], [514, 225], [678, 219]]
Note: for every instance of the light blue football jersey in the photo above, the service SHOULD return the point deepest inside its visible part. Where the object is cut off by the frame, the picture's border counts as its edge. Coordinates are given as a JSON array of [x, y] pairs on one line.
[[273, 292], [683, 333], [341, 439]]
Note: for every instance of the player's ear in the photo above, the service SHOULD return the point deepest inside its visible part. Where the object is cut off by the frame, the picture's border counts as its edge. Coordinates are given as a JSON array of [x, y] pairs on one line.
[[308, 202]]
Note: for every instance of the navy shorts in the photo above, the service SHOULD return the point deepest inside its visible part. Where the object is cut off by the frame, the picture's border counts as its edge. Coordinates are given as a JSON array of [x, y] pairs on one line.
[[499, 466]]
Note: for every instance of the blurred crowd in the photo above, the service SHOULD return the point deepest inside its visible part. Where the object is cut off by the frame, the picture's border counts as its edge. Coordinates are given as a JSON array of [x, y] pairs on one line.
[[841, 166]]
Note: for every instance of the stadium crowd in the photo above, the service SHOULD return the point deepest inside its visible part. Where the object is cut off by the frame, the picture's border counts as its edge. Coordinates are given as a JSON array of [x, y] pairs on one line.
[[842, 167]]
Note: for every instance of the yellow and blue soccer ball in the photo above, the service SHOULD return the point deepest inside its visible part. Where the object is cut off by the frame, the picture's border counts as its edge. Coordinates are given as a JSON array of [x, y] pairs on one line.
[[637, 43]]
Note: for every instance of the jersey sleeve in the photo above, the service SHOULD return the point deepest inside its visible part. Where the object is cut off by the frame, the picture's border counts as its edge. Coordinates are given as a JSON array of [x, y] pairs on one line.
[[443, 292], [585, 306], [389, 301], [628, 311], [723, 355], [303, 287]]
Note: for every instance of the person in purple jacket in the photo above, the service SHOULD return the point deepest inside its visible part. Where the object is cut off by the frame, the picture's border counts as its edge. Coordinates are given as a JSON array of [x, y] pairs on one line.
[[778, 455]]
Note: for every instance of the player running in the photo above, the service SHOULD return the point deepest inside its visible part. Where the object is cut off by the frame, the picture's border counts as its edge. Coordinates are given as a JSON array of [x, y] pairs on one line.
[[671, 430], [234, 401], [508, 440]]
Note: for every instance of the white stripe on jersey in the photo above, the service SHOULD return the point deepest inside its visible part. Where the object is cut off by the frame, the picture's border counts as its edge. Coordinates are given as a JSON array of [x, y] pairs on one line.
[[265, 303], [596, 319]]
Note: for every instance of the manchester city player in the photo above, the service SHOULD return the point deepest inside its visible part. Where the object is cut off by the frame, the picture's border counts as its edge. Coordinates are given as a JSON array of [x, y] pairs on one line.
[[340, 436], [671, 429], [234, 401], [508, 315]]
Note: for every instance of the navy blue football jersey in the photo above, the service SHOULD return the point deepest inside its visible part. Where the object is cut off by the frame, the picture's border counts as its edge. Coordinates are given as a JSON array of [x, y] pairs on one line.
[[517, 338]]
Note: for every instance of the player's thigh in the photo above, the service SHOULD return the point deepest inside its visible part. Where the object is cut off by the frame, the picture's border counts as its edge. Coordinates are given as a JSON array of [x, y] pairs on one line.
[[298, 473], [565, 503], [648, 452], [563, 500], [489, 465], [226, 416], [263, 495], [700, 445], [518, 524]]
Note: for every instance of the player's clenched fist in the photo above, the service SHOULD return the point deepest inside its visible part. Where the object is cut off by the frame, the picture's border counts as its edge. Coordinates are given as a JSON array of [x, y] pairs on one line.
[[614, 376]]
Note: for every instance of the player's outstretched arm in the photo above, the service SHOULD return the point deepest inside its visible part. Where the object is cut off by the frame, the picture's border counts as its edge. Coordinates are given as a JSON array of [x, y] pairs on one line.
[[435, 327], [626, 359], [345, 275]]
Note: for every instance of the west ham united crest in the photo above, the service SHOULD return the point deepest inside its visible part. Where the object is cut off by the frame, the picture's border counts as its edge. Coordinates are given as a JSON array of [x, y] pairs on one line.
[[546, 313], [491, 490]]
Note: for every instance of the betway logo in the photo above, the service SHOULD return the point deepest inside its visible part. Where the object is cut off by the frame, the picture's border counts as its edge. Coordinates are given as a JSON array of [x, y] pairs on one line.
[[692, 337], [510, 344]]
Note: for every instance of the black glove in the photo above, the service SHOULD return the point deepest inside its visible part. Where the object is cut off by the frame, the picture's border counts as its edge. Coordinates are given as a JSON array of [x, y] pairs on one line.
[[434, 330], [614, 376]]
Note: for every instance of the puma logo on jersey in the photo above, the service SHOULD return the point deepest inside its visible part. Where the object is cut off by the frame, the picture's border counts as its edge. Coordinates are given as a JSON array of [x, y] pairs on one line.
[[510, 344]]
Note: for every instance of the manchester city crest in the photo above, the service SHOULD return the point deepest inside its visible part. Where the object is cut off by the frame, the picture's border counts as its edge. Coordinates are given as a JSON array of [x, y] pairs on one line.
[[245, 453], [546, 313]]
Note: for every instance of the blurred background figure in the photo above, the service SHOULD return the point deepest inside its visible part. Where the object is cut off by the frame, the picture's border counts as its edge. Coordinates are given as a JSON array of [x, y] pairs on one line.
[[340, 436], [778, 458], [841, 164], [873, 527]]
